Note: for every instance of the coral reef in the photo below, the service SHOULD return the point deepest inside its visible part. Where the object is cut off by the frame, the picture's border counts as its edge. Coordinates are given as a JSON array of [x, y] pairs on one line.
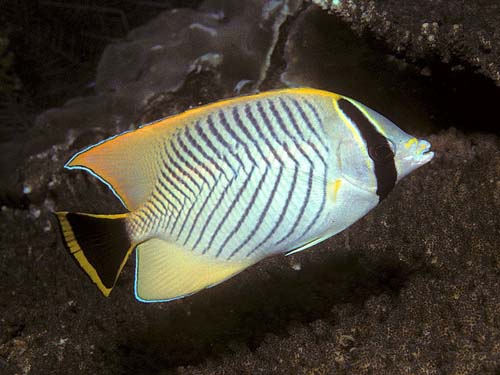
[[456, 32]]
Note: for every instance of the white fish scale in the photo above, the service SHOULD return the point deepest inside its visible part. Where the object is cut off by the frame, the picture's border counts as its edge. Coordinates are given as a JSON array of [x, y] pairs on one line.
[[181, 143], [212, 213], [257, 145], [252, 228], [316, 132], [230, 156], [295, 204], [233, 222], [194, 219]]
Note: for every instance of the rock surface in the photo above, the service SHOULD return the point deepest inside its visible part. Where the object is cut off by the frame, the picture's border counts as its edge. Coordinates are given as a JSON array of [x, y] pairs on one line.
[[454, 31]]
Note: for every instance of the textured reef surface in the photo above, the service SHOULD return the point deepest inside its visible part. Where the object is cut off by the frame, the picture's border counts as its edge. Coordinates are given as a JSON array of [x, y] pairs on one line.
[[412, 288], [453, 31]]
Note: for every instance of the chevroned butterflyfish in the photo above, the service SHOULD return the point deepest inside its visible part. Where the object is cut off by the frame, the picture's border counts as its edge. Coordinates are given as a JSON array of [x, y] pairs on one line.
[[215, 189]]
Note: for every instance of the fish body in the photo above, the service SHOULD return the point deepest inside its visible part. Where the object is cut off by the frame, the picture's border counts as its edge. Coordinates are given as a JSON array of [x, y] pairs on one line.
[[215, 189]]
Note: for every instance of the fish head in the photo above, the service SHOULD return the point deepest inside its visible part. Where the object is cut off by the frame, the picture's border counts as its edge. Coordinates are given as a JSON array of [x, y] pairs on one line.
[[383, 152], [409, 152]]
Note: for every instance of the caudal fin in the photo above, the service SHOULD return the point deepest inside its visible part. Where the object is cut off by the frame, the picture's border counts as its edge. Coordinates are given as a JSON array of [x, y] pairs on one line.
[[99, 243]]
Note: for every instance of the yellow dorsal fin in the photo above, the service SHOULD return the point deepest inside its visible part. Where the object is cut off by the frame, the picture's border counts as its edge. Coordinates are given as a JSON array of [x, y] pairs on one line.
[[166, 271], [126, 163]]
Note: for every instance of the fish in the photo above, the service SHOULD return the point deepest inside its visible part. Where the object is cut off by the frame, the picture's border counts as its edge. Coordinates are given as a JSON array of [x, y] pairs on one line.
[[212, 191]]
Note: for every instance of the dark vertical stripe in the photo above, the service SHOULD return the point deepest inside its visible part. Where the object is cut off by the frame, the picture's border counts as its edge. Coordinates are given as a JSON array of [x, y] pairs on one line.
[[323, 195], [206, 140], [250, 114], [292, 118], [320, 156], [308, 122], [164, 196], [216, 133], [253, 121], [180, 167], [232, 133], [139, 218], [186, 162], [379, 149], [228, 211], [267, 122], [278, 118], [209, 218], [297, 145], [143, 220], [202, 207], [282, 214], [261, 217], [241, 123], [197, 161], [239, 161], [154, 197], [160, 210], [302, 208], [223, 142], [295, 123], [201, 133], [178, 216], [199, 148], [161, 180], [227, 127], [296, 126], [173, 172], [317, 215], [315, 114], [245, 213], [151, 214]]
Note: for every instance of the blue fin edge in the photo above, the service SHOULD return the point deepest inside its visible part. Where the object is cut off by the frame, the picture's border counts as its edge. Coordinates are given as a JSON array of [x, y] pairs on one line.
[[149, 300], [89, 170]]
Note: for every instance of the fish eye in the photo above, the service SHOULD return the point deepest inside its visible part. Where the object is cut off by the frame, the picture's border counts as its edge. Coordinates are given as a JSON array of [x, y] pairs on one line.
[[381, 151]]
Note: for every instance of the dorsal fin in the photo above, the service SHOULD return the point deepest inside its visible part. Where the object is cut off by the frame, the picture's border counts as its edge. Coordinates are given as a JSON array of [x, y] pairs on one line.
[[127, 163]]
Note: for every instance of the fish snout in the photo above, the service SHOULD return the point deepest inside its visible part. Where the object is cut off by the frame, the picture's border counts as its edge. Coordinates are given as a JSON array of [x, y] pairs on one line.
[[423, 153]]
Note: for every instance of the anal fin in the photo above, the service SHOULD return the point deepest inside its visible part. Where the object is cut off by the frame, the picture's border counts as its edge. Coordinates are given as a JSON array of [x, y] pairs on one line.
[[166, 271]]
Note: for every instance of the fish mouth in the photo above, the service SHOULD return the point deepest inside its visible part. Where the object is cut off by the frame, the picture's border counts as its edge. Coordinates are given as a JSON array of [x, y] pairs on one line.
[[424, 153]]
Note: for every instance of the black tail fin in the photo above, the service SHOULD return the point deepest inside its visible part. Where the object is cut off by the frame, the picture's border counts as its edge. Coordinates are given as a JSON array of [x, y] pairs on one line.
[[99, 243]]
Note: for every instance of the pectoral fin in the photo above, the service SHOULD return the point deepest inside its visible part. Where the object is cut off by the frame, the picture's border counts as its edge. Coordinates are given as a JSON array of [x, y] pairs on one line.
[[306, 245], [166, 271]]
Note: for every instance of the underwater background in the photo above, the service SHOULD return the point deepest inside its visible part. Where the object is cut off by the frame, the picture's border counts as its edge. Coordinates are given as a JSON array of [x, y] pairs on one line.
[[412, 288]]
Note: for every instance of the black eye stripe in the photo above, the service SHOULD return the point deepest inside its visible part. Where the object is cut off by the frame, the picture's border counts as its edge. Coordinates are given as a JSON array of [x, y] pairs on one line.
[[380, 153], [378, 147]]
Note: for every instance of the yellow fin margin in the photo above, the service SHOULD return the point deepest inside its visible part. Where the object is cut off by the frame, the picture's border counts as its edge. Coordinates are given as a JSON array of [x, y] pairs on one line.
[[79, 255]]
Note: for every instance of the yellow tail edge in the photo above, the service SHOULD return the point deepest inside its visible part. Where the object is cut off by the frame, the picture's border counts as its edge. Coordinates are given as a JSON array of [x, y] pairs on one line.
[[100, 245]]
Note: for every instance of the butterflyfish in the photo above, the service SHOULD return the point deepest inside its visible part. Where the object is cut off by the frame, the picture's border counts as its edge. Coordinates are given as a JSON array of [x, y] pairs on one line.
[[216, 189]]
